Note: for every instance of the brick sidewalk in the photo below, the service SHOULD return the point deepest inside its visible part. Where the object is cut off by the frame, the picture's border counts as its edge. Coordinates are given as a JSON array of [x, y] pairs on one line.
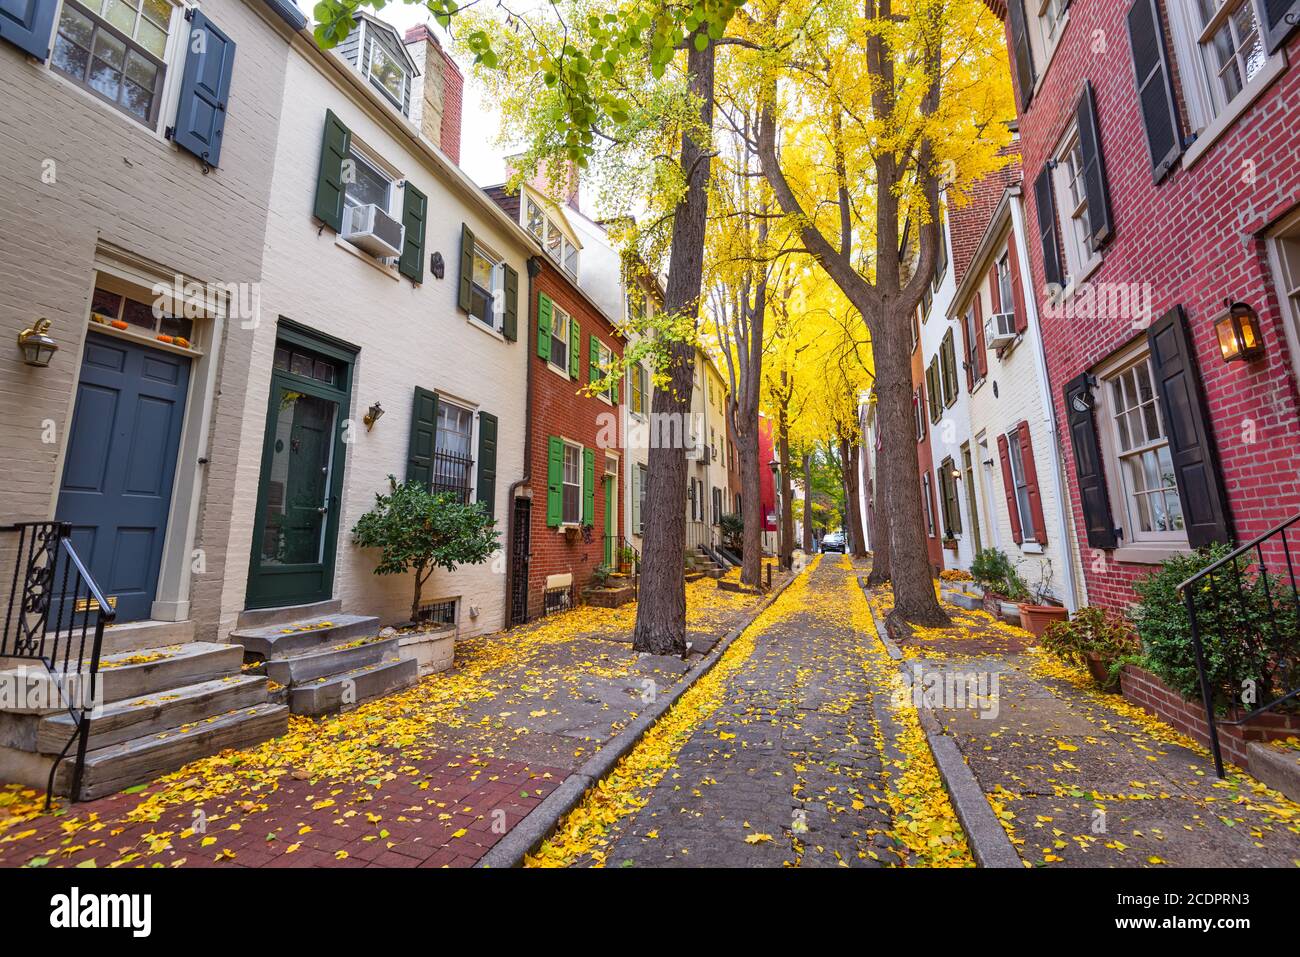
[[1085, 779], [433, 776]]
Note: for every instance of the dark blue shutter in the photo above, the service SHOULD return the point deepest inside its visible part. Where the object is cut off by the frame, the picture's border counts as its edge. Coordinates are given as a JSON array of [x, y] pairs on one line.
[[1281, 18], [205, 88], [1154, 85], [1095, 184], [28, 25]]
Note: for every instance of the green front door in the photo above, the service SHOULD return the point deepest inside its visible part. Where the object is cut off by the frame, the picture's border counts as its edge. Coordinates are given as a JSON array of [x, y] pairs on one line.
[[303, 451], [611, 505]]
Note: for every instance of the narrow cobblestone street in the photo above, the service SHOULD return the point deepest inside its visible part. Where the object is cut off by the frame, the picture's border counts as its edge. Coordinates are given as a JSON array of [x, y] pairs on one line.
[[790, 755]]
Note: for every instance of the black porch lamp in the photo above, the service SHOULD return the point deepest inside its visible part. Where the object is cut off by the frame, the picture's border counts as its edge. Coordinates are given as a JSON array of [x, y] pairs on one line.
[[36, 345], [1238, 333]]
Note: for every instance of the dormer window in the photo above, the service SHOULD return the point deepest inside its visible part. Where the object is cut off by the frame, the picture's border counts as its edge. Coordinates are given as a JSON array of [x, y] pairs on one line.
[[388, 74], [553, 240]]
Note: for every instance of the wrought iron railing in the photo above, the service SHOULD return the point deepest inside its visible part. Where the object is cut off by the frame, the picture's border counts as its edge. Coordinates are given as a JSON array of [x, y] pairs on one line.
[[1244, 615], [451, 473], [55, 614]]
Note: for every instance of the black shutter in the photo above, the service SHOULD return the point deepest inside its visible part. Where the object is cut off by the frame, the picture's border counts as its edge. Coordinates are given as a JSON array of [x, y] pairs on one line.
[[1093, 497], [415, 209], [487, 462], [205, 88], [424, 437], [1187, 427], [335, 146], [1281, 18], [28, 25], [1022, 56], [1155, 90], [466, 267], [1045, 201], [1094, 169], [510, 319]]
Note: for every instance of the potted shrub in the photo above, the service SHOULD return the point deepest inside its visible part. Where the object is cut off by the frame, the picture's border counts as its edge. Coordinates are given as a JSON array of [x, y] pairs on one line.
[[625, 557], [418, 531], [1039, 612], [998, 578], [1099, 640]]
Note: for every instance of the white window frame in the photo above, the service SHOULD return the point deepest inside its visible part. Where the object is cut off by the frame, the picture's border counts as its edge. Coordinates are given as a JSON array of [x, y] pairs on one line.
[[1135, 541], [371, 45], [605, 355], [1208, 116], [173, 71], [556, 313], [566, 484], [363, 157], [637, 374], [1081, 260], [1019, 483], [1046, 24], [1284, 253], [548, 233], [495, 294]]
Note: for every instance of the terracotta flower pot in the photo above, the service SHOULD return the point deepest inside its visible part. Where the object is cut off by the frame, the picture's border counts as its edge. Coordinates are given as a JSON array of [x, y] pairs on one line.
[[1101, 673], [1035, 618]]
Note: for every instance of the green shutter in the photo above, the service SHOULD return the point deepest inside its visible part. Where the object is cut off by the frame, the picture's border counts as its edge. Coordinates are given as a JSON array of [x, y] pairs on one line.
[[424, 435], [616, 381], [593, 361], [466, 266], [554, 481], [510, 323], [335, 146], [544, 315], [415, 207], [588, 486], [575, 348], [487, 462]]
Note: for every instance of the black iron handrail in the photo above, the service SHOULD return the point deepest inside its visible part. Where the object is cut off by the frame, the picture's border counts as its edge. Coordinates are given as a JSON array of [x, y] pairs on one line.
[[56, 615], [1257, 627]]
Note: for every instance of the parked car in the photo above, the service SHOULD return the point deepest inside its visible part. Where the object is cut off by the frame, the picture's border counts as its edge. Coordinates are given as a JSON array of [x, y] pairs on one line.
[[834, 542]]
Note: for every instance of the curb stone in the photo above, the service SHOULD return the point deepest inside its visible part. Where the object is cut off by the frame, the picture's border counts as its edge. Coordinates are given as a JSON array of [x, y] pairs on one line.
[[538, 825], [984, 832]]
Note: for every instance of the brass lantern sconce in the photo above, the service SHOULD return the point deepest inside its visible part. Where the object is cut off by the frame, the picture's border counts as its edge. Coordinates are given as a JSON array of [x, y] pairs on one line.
[[1238, 333], [36, 344], [373, 415]]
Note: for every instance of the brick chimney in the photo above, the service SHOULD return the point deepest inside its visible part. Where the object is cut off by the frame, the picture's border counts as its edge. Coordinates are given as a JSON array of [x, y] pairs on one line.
[[438, 96]]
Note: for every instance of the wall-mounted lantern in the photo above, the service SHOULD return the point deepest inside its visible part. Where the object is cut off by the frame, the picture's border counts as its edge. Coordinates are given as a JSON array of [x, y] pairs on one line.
[[373, 415], [1238, 333], [36, 345]]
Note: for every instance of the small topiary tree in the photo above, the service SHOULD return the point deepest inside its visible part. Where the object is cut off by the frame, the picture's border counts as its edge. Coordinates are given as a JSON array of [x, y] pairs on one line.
[[419, 531]]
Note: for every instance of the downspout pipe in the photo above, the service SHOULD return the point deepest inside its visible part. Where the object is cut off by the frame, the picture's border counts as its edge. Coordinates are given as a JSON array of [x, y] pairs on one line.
[[534, 268]]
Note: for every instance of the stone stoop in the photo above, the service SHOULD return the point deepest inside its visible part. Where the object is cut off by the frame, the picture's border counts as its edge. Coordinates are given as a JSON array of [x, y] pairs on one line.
[[327, 662], [158, 709], [1279, 768]]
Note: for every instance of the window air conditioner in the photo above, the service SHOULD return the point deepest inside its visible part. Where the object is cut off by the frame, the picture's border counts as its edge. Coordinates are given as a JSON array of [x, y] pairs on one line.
[[1000, 330], [370, 228]]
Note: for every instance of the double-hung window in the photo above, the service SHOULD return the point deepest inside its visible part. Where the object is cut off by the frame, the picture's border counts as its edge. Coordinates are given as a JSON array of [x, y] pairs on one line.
[[365, 183], [640, 397], [1005, 292], [1072, 200], [1141, 466], [605, 358], [1230, 47], [487, 278], [1015, 455], [117, 50], [572, 502], [452, 459], [560, 339], [972, 357], [387, 73]]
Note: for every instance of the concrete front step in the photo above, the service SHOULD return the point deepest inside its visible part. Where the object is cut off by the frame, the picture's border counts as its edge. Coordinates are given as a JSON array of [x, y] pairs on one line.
[[151, 713], [346, 690], [139, 760], [134, 635], [262, 617], [1279, 768], [304, 635], [332, 660]]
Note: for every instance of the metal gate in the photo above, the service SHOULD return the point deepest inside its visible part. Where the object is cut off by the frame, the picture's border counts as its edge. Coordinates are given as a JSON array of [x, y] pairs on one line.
[[519, 562]]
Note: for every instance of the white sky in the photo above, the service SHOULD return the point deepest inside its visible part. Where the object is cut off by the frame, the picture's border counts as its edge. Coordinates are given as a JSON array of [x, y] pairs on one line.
[[480, 156]]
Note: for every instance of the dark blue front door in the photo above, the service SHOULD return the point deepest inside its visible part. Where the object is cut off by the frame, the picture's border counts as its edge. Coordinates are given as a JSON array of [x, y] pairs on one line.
[[121, 460]]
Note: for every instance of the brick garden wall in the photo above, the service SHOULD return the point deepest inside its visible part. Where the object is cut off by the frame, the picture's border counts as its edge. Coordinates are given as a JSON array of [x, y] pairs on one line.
[[1154, 697], [1194, 239], [559, 409]]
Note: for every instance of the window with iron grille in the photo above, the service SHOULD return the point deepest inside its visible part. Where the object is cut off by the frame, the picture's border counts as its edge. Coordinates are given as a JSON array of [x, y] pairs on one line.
[[452, 461], [441, 612]]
